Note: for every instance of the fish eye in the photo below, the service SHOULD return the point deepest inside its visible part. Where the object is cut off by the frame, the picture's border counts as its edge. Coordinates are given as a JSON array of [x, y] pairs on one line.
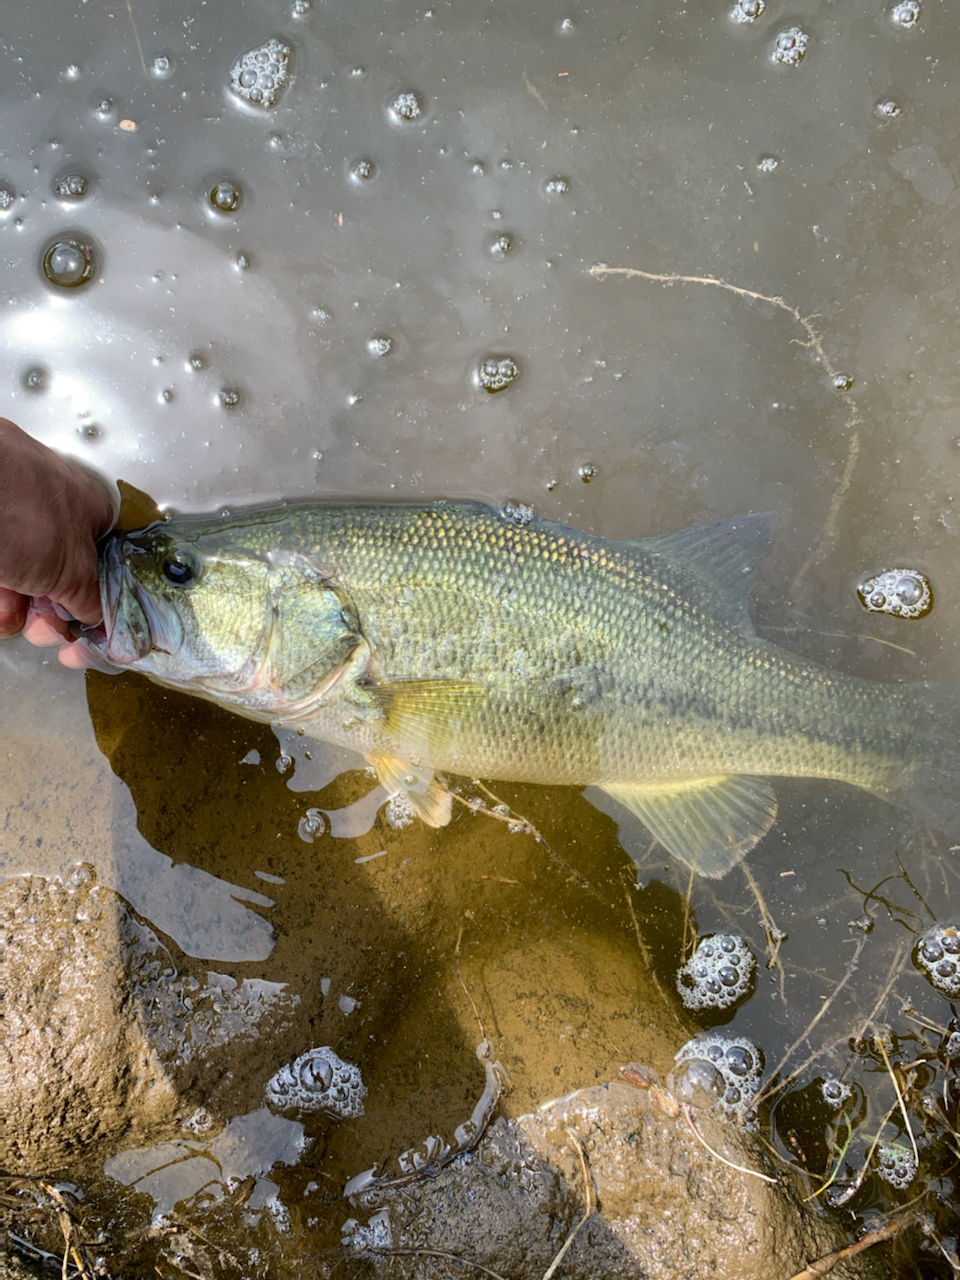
[[179, 569]]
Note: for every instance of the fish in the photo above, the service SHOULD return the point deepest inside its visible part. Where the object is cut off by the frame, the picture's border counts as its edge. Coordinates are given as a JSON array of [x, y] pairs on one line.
[[460, 638]]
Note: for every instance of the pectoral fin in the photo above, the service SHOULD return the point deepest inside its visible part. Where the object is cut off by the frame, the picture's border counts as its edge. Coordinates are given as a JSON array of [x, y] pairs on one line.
[[710, 824], [431, 801], [425, 715]]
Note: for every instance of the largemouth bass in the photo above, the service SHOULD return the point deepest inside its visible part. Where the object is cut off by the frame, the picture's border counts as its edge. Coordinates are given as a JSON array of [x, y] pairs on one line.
[[449, 637]]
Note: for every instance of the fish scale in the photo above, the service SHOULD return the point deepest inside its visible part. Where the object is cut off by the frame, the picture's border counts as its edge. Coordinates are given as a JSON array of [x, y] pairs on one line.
[[451, 637]]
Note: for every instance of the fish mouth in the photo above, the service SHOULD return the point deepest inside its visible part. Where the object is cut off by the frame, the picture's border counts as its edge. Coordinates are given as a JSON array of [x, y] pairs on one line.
[[136, 623]]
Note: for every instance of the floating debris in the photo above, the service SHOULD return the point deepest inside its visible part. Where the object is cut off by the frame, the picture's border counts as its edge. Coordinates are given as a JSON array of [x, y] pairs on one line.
[[719, 974], [317, 1081], [906, 593]]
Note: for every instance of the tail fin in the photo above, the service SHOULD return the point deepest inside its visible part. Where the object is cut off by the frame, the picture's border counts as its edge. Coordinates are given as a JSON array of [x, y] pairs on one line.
[[929, 785]]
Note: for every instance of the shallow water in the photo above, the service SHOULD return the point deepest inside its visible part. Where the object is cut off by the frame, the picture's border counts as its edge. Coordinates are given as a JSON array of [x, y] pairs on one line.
[[324, 338]]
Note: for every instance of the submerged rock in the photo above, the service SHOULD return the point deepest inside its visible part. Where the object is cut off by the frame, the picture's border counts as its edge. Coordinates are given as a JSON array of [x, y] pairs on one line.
[[662, 1204]]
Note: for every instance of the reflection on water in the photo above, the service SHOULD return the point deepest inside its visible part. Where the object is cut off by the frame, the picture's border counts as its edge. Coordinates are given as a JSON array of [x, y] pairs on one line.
[[225, 298]]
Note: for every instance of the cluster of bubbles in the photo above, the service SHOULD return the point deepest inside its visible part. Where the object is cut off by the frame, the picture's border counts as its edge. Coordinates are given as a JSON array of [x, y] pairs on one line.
[[557, 186], [380, 345], [747, 10], [405, 107], [767, 164], [7, 197], [888, 109], [318, 1081], [905, 593], [71, 187], [69, 261], [937, 956], [260, 75], [311, 825], [896, 1164], [363, 170], [495, 373], [500, 244], [716, 1072], [718, 975], [790, 46]]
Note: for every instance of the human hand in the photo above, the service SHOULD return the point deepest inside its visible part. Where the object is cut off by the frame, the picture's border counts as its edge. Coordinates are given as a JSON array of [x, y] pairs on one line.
[[52, 511]]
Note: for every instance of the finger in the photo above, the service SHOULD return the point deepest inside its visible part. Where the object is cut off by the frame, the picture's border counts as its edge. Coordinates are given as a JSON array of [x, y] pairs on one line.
[[43, 627], [13, 611], [76, 656]]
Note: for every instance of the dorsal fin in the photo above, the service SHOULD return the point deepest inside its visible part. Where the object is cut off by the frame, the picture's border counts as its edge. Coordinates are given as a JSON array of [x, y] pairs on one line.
[[723, 557]]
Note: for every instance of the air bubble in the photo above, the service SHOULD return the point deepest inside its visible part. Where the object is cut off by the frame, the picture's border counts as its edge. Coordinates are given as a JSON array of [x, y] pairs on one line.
[[283, 760], [587, 472], [566, 26], [478, 168], [930, 957], [362, 171], [557, 186], [318, 1080], [495, 373], [243, 261], [842, 382], [166, 395], [320, 315], [225, 196], [405, 107], [229, 397], [888, 109], [196, 360], [71, 187], [790, 46], [72, 71], [90, 432], [904, 593], [737, 1066], [767, 164], [311, 825], [36, 379], [906, 13], [162, 66], [260, 75], [69, 262], [747, 10], [500, 244], [380, 345], [300, 9], [399, 811], [835, 1092], [105, 109]]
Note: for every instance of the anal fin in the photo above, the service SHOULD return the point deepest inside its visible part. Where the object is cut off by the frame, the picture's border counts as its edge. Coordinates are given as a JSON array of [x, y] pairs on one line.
[[709, 824], [432, 802]]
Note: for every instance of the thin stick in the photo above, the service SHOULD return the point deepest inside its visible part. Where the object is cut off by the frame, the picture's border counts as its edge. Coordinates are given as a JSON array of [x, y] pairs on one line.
[[456, 965], [648, 963], [588, 1193], [878, 1039], [813, 343], [775, 936], [435, 1253], [857, 1183], [823, 1266], [769, 1087], [689, 935], [723, 1160]]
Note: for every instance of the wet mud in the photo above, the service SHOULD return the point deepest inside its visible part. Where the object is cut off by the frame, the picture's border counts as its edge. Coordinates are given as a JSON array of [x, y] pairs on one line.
[[377, 278]]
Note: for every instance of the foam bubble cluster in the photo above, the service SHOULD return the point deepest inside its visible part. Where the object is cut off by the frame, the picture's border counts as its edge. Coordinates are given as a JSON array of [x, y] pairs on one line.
[[495, 373], [790, 47], [905, 593], [719, 973], [720, 1073], [896, 1164], [835, 1092], [260, 75], [937, 956], [317, 1081]]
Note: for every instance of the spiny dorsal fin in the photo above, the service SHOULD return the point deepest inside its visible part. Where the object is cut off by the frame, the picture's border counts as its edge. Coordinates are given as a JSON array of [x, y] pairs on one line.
[[710, 824], [724, 557]]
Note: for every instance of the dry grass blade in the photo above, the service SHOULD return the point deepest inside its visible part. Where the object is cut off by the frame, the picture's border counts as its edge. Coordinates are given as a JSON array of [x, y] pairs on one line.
[[648, 963], [878, 1039], [437, 1253], [716, 1154], [774, 934], [814, 343], [588, 1195]]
